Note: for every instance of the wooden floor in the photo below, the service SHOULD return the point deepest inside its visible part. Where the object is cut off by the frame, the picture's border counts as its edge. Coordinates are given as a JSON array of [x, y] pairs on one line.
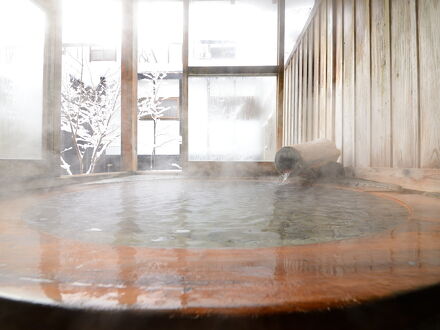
[[58, 275]]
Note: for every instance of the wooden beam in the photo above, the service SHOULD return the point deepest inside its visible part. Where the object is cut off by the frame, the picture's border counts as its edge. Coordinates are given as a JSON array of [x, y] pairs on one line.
[[231, 169], [184, 156], [280, 76], [233, 70], [52, 88], [129, 87]]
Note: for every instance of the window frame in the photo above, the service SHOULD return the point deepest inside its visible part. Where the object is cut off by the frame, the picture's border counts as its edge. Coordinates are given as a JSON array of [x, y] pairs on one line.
[[48, 165], [243, 71]]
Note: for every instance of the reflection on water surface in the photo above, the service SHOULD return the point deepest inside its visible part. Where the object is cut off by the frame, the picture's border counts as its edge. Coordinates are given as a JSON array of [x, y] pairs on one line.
[[213, 214]]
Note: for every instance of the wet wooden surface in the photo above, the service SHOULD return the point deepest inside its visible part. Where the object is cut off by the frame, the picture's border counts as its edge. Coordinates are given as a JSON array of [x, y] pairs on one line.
[[38, 267]]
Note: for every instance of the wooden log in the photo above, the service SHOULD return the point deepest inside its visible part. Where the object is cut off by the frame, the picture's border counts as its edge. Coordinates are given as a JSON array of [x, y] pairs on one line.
[[312, 154]]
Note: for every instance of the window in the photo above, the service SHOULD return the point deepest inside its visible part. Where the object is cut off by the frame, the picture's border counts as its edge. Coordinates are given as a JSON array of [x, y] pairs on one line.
[[296, 14], [232, 118], [232, 33], [21, 79], [160, 34], [232, 83], [91, 71]]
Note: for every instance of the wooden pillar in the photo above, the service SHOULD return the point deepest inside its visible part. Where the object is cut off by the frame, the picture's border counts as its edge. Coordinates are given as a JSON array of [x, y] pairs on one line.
[[184, 93], [52, 87], [280, 78], [129, 87]]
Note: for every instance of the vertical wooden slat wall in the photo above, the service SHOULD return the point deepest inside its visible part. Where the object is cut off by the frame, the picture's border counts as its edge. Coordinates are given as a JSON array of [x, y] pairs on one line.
[[316, 43], [429, 77], [349, 83], [381, 88], [339, 55], [366, 74], [362, 84], [304, 89], [310, 109], [330, 86], [323, 70], [404, 83]]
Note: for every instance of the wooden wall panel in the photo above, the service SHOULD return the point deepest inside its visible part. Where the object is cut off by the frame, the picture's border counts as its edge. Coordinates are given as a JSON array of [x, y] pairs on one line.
[[429, 52], [129, 83], [329, 130], [300, 93], [286, 104], [289, 104], [323, 69], [362, 86], [349, 81], [366, 74], [296, 106], [339, 44], [310, 118], [316, 79], [305, 88], [381, 84], [292, 103], [404, 84]]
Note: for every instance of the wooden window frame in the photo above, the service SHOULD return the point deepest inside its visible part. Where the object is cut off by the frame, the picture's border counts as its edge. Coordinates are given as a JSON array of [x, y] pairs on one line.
[[243, 71]]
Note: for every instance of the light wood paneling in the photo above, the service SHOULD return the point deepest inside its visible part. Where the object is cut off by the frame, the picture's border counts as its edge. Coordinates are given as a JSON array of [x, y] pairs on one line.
[[305, 88], [362, 86], [299, 126], [339, 74], [429, 52], [367, 74], [292, 103], [323, 70], [349, 83], [316, 72], [329, 129], [404, 80], [310, 118], [381, 84], [296, 93]]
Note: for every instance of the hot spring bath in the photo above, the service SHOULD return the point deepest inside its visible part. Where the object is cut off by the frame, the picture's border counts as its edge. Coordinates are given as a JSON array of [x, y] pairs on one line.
[[186, 213], [216, 246]]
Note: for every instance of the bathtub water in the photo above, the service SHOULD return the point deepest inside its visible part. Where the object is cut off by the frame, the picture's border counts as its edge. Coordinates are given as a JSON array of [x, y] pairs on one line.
[[185, 213]]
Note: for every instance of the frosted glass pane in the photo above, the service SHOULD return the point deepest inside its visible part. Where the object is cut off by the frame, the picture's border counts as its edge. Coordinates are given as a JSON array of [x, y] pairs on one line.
[[232, 118], [22, 33], [240, 32], [296, 14]]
